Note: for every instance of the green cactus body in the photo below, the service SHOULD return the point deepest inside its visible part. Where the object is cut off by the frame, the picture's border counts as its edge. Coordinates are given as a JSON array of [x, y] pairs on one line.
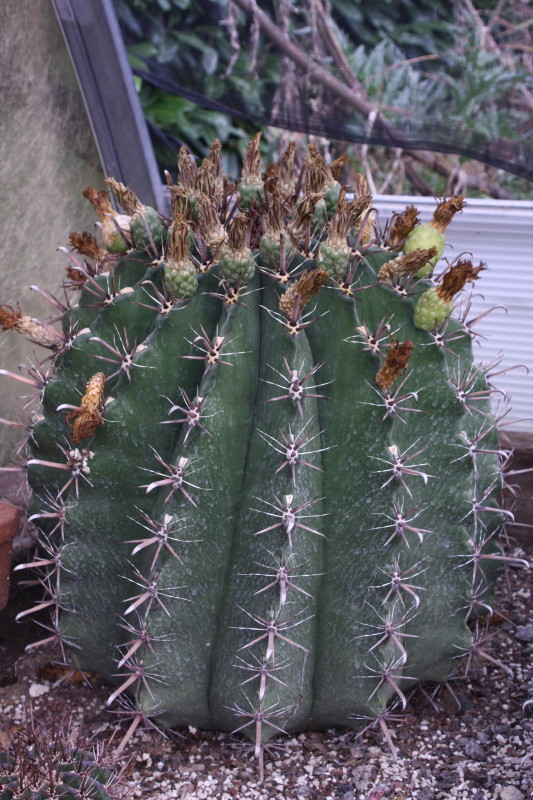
[[431, 310], [422, 237], [42, 772], [269, 531]]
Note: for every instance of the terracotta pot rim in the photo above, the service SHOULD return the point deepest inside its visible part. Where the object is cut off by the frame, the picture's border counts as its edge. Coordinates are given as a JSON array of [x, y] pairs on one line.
[[8, 528]]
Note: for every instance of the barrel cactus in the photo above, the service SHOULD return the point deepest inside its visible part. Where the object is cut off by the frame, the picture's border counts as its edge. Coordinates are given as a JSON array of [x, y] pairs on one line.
[[49, 764], [263, 462]]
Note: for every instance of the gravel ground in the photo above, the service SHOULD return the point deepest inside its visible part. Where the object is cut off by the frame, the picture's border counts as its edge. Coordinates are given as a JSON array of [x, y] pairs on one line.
[[473, 743]]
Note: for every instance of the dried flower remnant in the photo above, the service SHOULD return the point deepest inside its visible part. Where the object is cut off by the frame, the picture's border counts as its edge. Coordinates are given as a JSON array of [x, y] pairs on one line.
[[395, 364], [125, 196], [301, 291], [86, 245], [251, 185], [115, 227], [402, 225], [215, 156], [445, 212], [457, 277], [12, 319], [237, 263], [187, 170], [287, 182], [406, 264], [336, 167], [364, 219], [88, 416]]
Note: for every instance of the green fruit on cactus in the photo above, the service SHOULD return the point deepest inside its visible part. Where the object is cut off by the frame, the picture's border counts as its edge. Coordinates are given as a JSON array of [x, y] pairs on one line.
[[148, 230], [431, 234], [179, 272], [436, 304], [431, 310], [270, 511], [236, 261], [251, 192], [423, 237]]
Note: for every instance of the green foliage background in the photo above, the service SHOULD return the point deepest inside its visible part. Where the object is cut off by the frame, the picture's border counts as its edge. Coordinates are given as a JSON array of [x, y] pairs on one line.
[[424, 57]]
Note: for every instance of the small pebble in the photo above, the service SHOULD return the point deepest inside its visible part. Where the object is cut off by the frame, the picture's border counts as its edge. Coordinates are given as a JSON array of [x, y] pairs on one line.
[[524, 634], [37, 689], [511, 793], [472, 749]]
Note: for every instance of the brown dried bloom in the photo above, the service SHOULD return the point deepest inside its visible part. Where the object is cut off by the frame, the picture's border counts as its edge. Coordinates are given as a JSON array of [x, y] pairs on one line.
[[336, 167], [85, 244], [357, 207], [445, 211], [395, 364], [251, 165], [99, 201], [88, 416], [301, 291], [187, 170], [287, 182], [303, 213], [318, 175], [402, 225], [273, 221], [406, 264], [211, 229], [237, 233], [458, 275], [179, 203], [215, 156], [125, 196], [12, 319], [205, 178], [340, 223], [178, 249]]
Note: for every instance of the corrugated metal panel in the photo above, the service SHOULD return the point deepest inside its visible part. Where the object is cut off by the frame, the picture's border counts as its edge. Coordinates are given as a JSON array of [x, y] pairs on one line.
[[500, 233]]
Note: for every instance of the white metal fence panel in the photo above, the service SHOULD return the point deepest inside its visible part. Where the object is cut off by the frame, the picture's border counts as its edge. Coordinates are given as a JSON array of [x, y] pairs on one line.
[[500, 233]]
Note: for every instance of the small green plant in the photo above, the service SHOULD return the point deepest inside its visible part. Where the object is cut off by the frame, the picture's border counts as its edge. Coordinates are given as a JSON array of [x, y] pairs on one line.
[[264, 465]]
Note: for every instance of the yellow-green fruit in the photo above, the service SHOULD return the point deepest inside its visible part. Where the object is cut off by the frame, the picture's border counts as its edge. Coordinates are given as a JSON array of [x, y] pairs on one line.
[[422, 237], [270, 251], [333, 259], [181, 283], [250, 192], [431, 310], [237, 266]]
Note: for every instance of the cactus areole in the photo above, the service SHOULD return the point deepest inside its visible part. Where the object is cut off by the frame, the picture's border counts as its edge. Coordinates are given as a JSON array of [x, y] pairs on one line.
[[268, 503]]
